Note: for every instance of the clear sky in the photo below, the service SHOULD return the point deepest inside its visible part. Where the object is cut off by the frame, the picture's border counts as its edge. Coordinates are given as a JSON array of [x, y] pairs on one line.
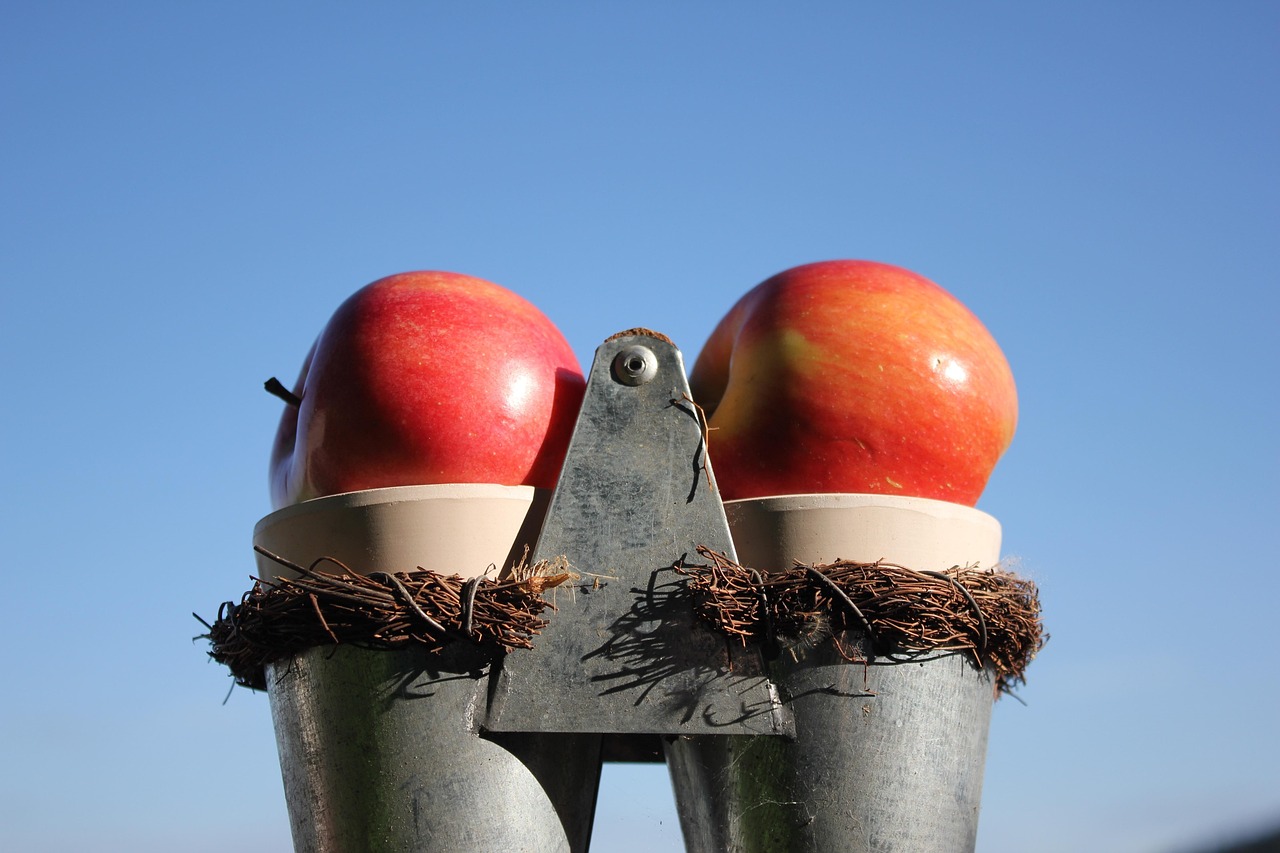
[[189, 190]]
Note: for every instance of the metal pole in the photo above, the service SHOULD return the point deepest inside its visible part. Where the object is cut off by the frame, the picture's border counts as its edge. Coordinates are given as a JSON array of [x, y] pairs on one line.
[[898, 769], [379, 752]]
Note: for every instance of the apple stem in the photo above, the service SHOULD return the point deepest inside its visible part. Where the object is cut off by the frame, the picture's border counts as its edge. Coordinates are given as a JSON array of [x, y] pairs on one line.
[[276, 388]]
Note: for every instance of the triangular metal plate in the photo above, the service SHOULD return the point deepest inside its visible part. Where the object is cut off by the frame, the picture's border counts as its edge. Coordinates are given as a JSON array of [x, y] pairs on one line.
[[624, 651]]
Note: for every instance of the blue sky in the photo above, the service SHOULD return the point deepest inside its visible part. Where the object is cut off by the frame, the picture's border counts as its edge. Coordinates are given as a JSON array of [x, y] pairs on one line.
[[191, 189]]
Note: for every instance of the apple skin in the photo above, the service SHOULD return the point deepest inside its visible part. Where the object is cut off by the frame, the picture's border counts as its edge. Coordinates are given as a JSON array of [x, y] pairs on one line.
[[854, 376], [428, 377]]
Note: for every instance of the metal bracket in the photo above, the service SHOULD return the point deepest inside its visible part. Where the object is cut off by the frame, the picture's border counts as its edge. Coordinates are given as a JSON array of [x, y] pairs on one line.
[[624, 652]]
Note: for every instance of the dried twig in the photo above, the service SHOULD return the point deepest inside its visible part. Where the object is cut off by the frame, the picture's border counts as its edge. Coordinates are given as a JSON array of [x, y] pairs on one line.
[[382, 610], [993, 616]]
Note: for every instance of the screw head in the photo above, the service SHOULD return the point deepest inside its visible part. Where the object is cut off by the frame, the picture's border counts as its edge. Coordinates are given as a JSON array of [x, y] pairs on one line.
[[635, 365]]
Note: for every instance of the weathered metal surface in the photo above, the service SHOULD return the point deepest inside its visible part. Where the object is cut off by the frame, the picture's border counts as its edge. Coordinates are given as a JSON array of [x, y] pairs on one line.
[[886, 759], [379, 752], [624, 651]]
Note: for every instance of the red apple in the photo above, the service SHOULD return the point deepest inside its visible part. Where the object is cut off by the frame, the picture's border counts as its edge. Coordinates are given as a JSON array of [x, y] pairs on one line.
[[428, 377], [854, 376]]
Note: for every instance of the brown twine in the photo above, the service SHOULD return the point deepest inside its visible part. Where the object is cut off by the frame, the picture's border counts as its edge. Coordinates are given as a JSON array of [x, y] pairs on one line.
[[992, 616], [381, 610]]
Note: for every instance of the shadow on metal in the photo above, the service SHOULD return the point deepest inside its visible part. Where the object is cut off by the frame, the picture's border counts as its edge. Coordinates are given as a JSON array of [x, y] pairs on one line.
[[380, 752], [887, 759]]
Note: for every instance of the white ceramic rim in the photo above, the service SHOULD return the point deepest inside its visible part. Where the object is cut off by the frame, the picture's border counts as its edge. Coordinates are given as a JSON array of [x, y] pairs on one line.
[[400, 494], [852, 500]]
